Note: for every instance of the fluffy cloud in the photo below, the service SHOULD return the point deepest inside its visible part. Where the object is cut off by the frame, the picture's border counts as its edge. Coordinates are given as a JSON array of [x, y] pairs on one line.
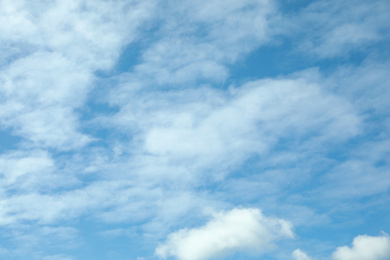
[[300, 255], [365, 248], [236, 230]]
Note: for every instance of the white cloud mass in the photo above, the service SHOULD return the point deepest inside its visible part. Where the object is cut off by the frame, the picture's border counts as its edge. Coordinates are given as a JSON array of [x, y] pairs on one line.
[[365, 248], [236, 230], [298, 254]]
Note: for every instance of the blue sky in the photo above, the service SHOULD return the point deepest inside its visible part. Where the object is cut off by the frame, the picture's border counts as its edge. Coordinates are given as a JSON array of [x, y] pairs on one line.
[[194, 130]]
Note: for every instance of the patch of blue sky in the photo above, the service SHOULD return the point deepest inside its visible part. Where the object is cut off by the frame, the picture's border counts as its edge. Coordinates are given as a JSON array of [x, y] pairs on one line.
[[8, 140], [292, 6], [129, 57], [281, 58]]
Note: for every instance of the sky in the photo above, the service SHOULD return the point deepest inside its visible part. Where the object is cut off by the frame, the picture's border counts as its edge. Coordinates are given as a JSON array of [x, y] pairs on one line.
[[195, 130]]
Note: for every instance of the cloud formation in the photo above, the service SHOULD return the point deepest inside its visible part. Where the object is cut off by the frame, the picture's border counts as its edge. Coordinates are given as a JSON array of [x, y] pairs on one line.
[[47, 67], [338, 29], [298, 254], [199, 44], [365, 248], [136, 118], [227, 232]]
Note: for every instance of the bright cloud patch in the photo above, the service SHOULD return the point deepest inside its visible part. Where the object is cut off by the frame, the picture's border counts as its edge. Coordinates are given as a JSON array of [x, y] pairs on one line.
[[236, 230], [300, 255], [365, 248]]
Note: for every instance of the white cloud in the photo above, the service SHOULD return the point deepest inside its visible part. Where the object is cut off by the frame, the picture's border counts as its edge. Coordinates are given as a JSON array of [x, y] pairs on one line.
[[204, 128], [300, 255], [199, 40], [41, 92], [38, 242], [122, 198], [26, 171], [55, 49], [246, 230], [364, 178], [332, 28], [365, 86], [88, 33], [365, 248], [174, 147], [366, 168]]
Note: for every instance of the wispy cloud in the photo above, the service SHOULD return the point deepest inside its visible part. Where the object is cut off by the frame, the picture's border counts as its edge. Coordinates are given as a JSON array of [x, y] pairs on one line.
[[209, 128], [60, 45], [330, 29], [199, 41]]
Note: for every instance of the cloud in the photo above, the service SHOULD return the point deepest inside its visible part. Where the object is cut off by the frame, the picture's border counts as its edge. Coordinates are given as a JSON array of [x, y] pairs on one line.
[[365, 247], [56, 49], [92, 37], [365, 86], [237, 230], [28, 171], [205, 128], [39, 242], [300, 255], [98, 196], [41, 91], [179, 139], [364, 178], [331, 29], [201, 41], [366, 168]]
